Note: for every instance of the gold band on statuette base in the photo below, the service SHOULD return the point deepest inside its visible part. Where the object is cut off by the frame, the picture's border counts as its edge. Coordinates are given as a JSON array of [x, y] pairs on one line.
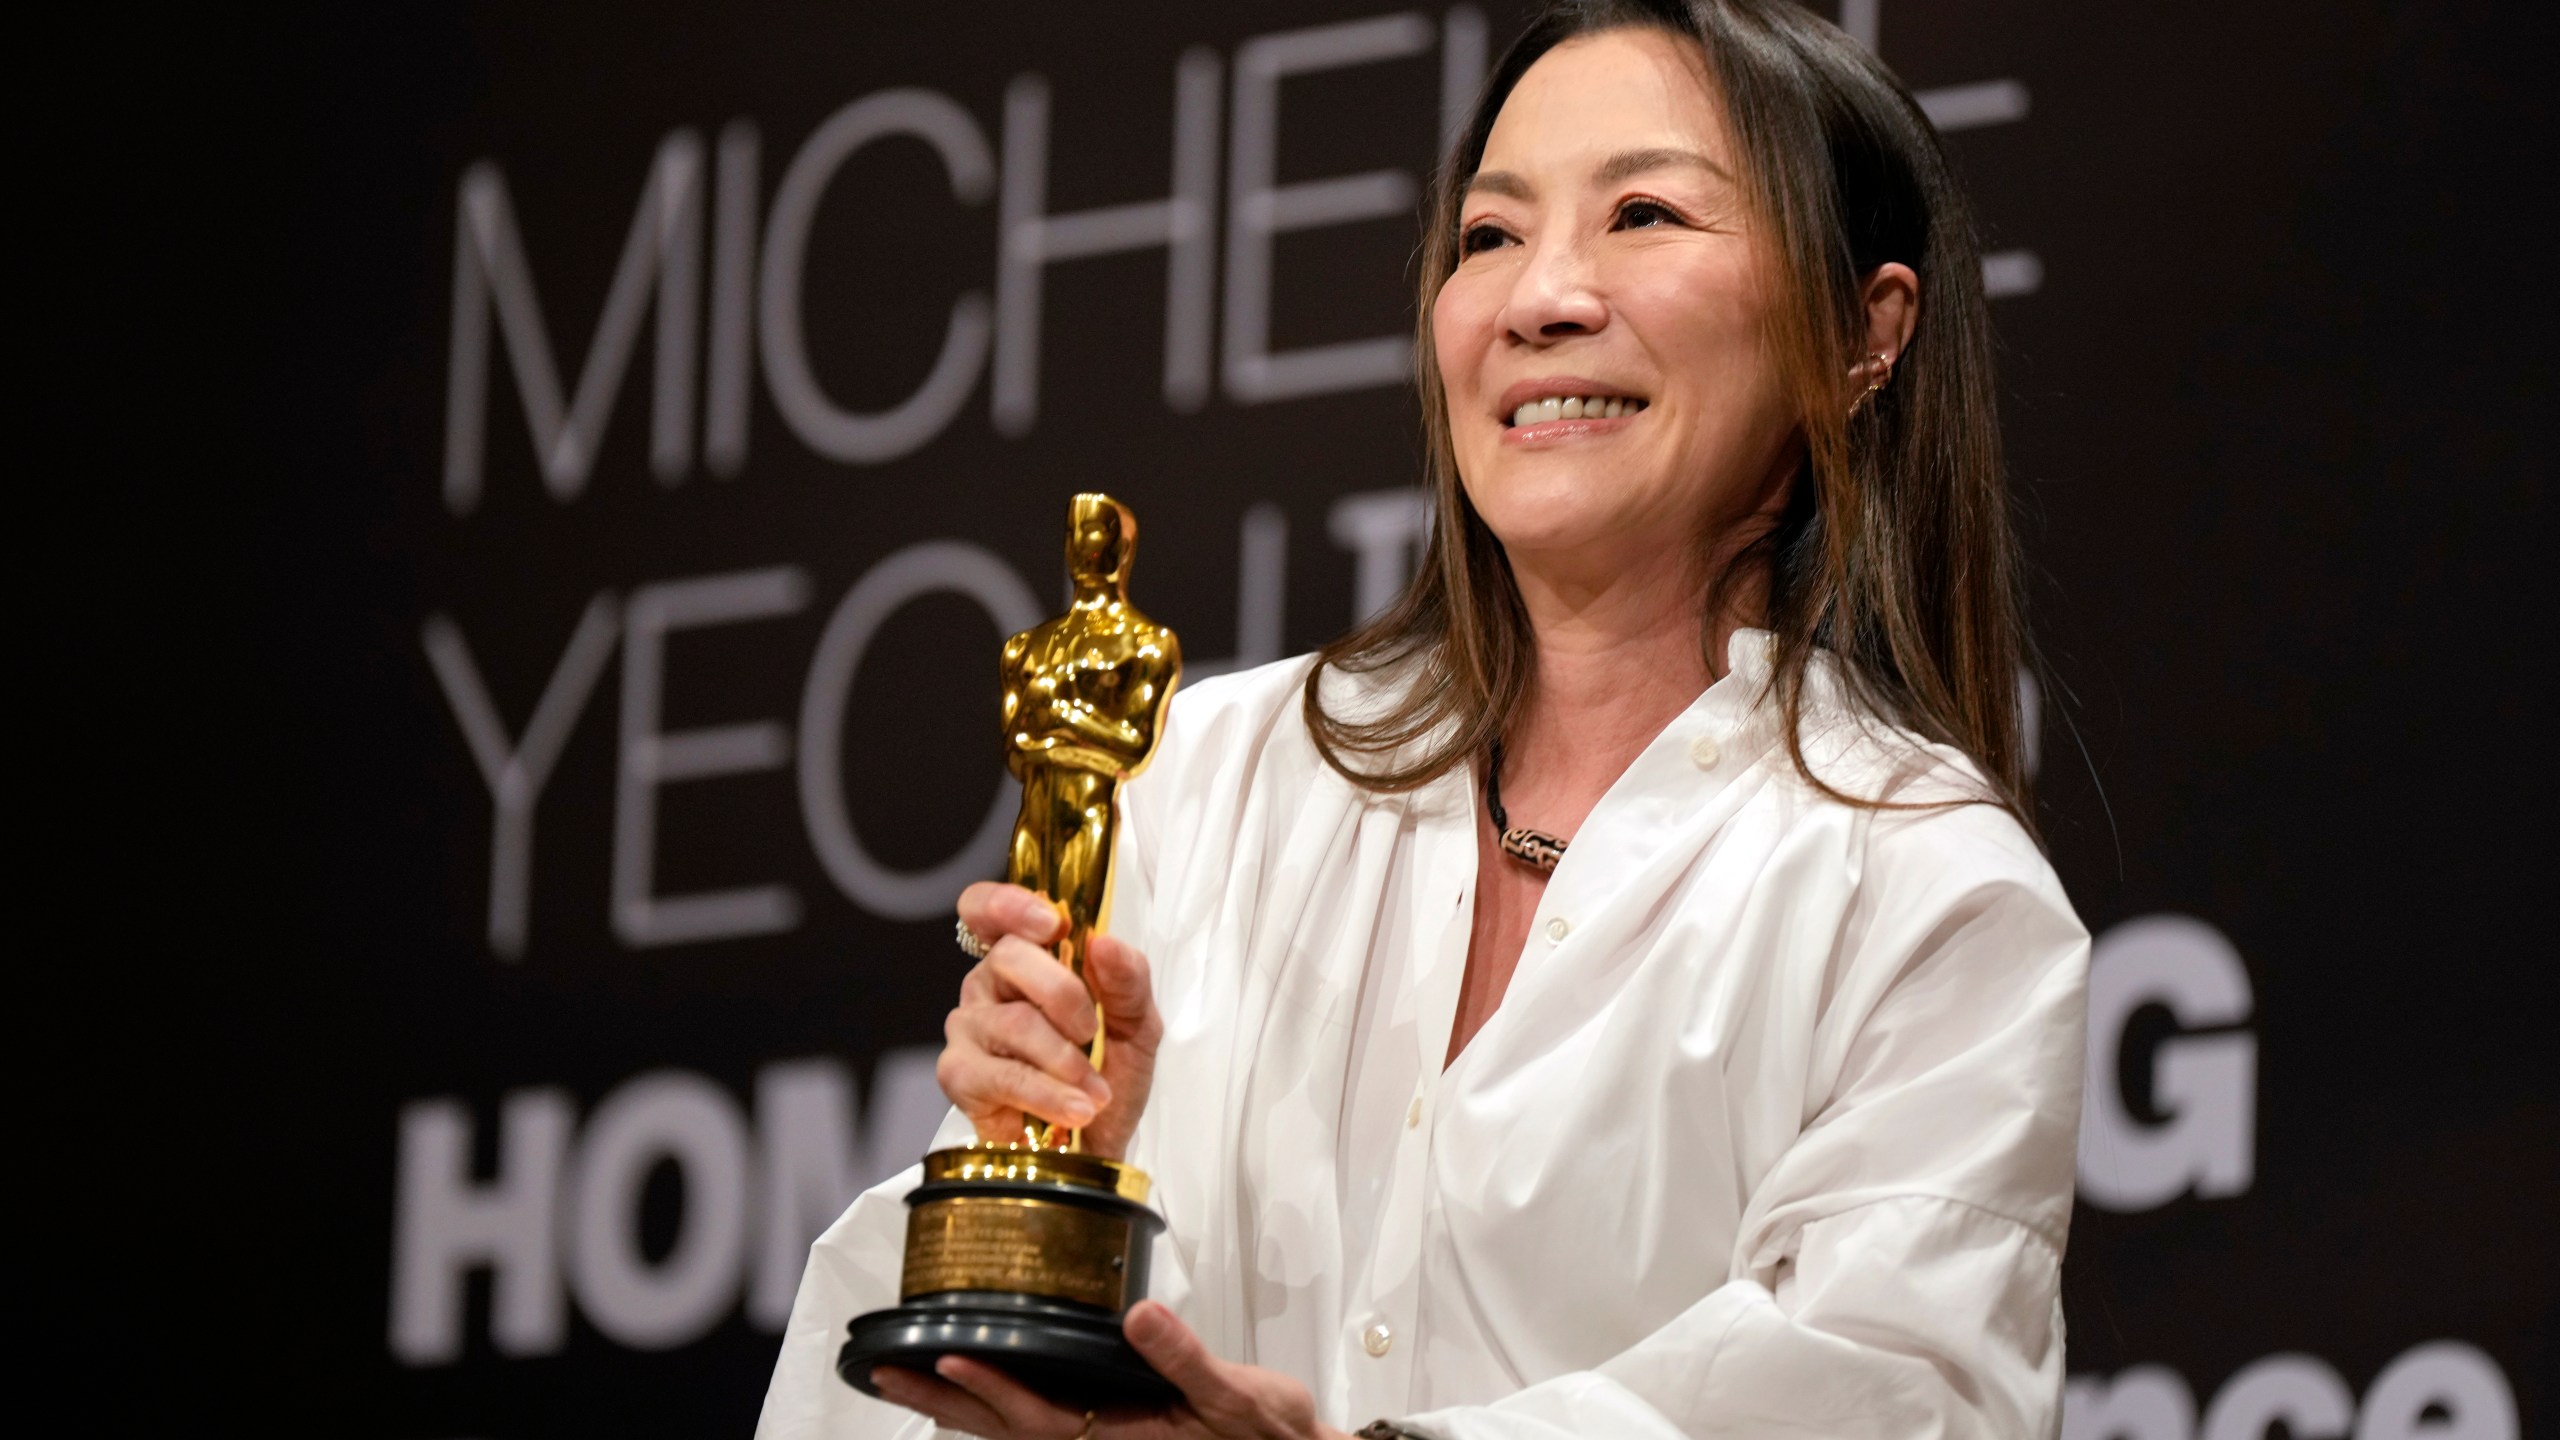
[[1021, 1164]]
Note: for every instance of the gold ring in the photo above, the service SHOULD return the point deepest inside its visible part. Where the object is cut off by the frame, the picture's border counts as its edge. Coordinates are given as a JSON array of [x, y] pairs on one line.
[[1087, 1432]]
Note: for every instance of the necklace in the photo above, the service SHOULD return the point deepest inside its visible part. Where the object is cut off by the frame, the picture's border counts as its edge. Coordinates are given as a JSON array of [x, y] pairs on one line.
[[1535, 848]]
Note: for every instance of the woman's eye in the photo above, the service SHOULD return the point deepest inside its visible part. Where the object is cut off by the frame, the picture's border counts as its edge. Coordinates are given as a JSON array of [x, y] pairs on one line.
[[1643, 214], [1477, 238]]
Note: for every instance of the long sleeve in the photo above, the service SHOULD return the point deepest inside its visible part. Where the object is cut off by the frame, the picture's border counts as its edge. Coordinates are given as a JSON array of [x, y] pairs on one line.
[[853, 1268]]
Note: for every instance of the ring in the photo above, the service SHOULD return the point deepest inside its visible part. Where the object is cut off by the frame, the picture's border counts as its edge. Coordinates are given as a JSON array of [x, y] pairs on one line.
[[1087, 1432], [976, 949]]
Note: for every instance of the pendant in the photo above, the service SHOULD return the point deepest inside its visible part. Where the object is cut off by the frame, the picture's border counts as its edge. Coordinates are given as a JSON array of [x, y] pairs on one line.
[[1532, 847]]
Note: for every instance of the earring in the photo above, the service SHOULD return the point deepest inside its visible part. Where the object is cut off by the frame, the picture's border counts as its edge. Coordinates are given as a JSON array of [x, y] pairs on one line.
[[1882, 366]]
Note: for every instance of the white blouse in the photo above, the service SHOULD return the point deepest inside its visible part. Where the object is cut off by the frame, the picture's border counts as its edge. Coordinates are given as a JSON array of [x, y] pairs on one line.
[[1772, 1133]]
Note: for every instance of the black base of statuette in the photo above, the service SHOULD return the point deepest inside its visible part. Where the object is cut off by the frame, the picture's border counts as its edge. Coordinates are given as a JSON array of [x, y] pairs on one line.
[[1073, 1354]]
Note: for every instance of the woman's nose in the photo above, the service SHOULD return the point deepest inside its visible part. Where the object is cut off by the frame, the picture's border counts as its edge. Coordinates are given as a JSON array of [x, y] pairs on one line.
[[1554, 296]]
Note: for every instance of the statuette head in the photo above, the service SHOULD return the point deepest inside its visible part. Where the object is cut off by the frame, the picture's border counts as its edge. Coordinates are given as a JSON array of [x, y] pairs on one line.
[[1102, 536]]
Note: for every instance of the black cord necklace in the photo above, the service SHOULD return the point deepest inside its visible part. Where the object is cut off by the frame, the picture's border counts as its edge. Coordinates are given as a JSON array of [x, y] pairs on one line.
[[1534, 848]]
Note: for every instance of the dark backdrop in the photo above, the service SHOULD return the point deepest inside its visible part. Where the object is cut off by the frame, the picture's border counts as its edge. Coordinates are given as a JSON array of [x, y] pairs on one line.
[[2277, 394]]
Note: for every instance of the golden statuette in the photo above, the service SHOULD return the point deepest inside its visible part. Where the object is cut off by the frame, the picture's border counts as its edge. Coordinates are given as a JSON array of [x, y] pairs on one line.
[[1026, 1255], [1083, 697]]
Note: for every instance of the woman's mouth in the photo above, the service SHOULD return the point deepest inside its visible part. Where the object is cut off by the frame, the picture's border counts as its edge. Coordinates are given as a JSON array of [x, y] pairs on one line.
[[1574, 407]]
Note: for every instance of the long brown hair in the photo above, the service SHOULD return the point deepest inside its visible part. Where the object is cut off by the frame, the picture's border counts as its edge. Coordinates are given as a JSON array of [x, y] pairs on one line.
[[1894, 551]]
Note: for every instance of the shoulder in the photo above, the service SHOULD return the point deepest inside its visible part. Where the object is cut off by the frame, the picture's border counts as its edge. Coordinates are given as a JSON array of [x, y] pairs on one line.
[[1255, 688], [1228, 730], [1236, 782], [1953, 899], [1225, 708], [1258, 716], [1958, 960], [1934, 841], [1965, 855]]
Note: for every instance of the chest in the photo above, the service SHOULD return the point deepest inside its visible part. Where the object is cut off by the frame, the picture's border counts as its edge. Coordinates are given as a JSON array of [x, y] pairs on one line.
[[1624, 1068], [1507, 895]]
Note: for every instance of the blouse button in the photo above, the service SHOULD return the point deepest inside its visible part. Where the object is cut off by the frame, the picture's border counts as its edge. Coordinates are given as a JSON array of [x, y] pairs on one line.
[[1413, 1113], [1377, 1338], [1557, 929], [1706, 752]]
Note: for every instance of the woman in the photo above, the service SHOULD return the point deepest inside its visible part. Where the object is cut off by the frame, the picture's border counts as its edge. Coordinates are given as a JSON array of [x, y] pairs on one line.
[[1616, 992]]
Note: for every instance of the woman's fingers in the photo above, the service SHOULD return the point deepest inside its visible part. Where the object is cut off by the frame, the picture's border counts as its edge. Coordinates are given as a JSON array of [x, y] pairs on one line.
[[1008, 1057], [990, 1089], [1241, 1402], [1035, 975], [1021, 1411], [1127, 990], [945, 1403], [1020, 927], [1177, 1354], [1000, 1065], [994, 910], [1016, 969], [1018, 1030]]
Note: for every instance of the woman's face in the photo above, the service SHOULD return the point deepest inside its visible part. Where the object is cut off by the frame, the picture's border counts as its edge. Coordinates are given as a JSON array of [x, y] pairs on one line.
[[1607, 263]]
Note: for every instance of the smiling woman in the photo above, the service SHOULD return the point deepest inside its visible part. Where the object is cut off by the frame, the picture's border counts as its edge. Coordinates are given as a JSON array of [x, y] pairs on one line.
[[1734, 1089], [1740, 202]]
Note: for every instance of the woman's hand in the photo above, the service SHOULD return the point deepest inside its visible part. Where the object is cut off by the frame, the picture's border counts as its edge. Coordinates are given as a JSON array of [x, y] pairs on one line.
[[1219, 1401], [1016, 1043]]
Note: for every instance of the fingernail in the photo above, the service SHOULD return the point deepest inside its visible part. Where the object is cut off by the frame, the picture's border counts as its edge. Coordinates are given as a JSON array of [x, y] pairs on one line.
[[1097, 1087]]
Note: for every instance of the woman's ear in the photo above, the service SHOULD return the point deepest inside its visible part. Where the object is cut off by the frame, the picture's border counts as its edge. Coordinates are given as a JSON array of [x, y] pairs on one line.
[[1890, 300]]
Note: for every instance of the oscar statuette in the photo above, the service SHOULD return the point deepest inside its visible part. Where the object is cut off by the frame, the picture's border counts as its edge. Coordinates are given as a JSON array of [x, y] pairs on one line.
[[1025, 1254]]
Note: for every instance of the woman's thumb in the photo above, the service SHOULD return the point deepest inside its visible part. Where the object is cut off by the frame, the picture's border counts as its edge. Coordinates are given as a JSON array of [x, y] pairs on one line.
[[1121, 981]]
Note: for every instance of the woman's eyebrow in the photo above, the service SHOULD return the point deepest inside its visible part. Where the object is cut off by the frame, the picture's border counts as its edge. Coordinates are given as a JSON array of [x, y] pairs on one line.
[[1627, 164]]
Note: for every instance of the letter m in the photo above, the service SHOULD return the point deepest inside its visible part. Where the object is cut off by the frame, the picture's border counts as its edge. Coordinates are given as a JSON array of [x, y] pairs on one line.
[[490, 274]]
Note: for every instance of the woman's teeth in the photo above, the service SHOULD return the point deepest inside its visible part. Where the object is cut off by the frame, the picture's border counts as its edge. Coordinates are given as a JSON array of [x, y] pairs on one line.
[[1575, 407]]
